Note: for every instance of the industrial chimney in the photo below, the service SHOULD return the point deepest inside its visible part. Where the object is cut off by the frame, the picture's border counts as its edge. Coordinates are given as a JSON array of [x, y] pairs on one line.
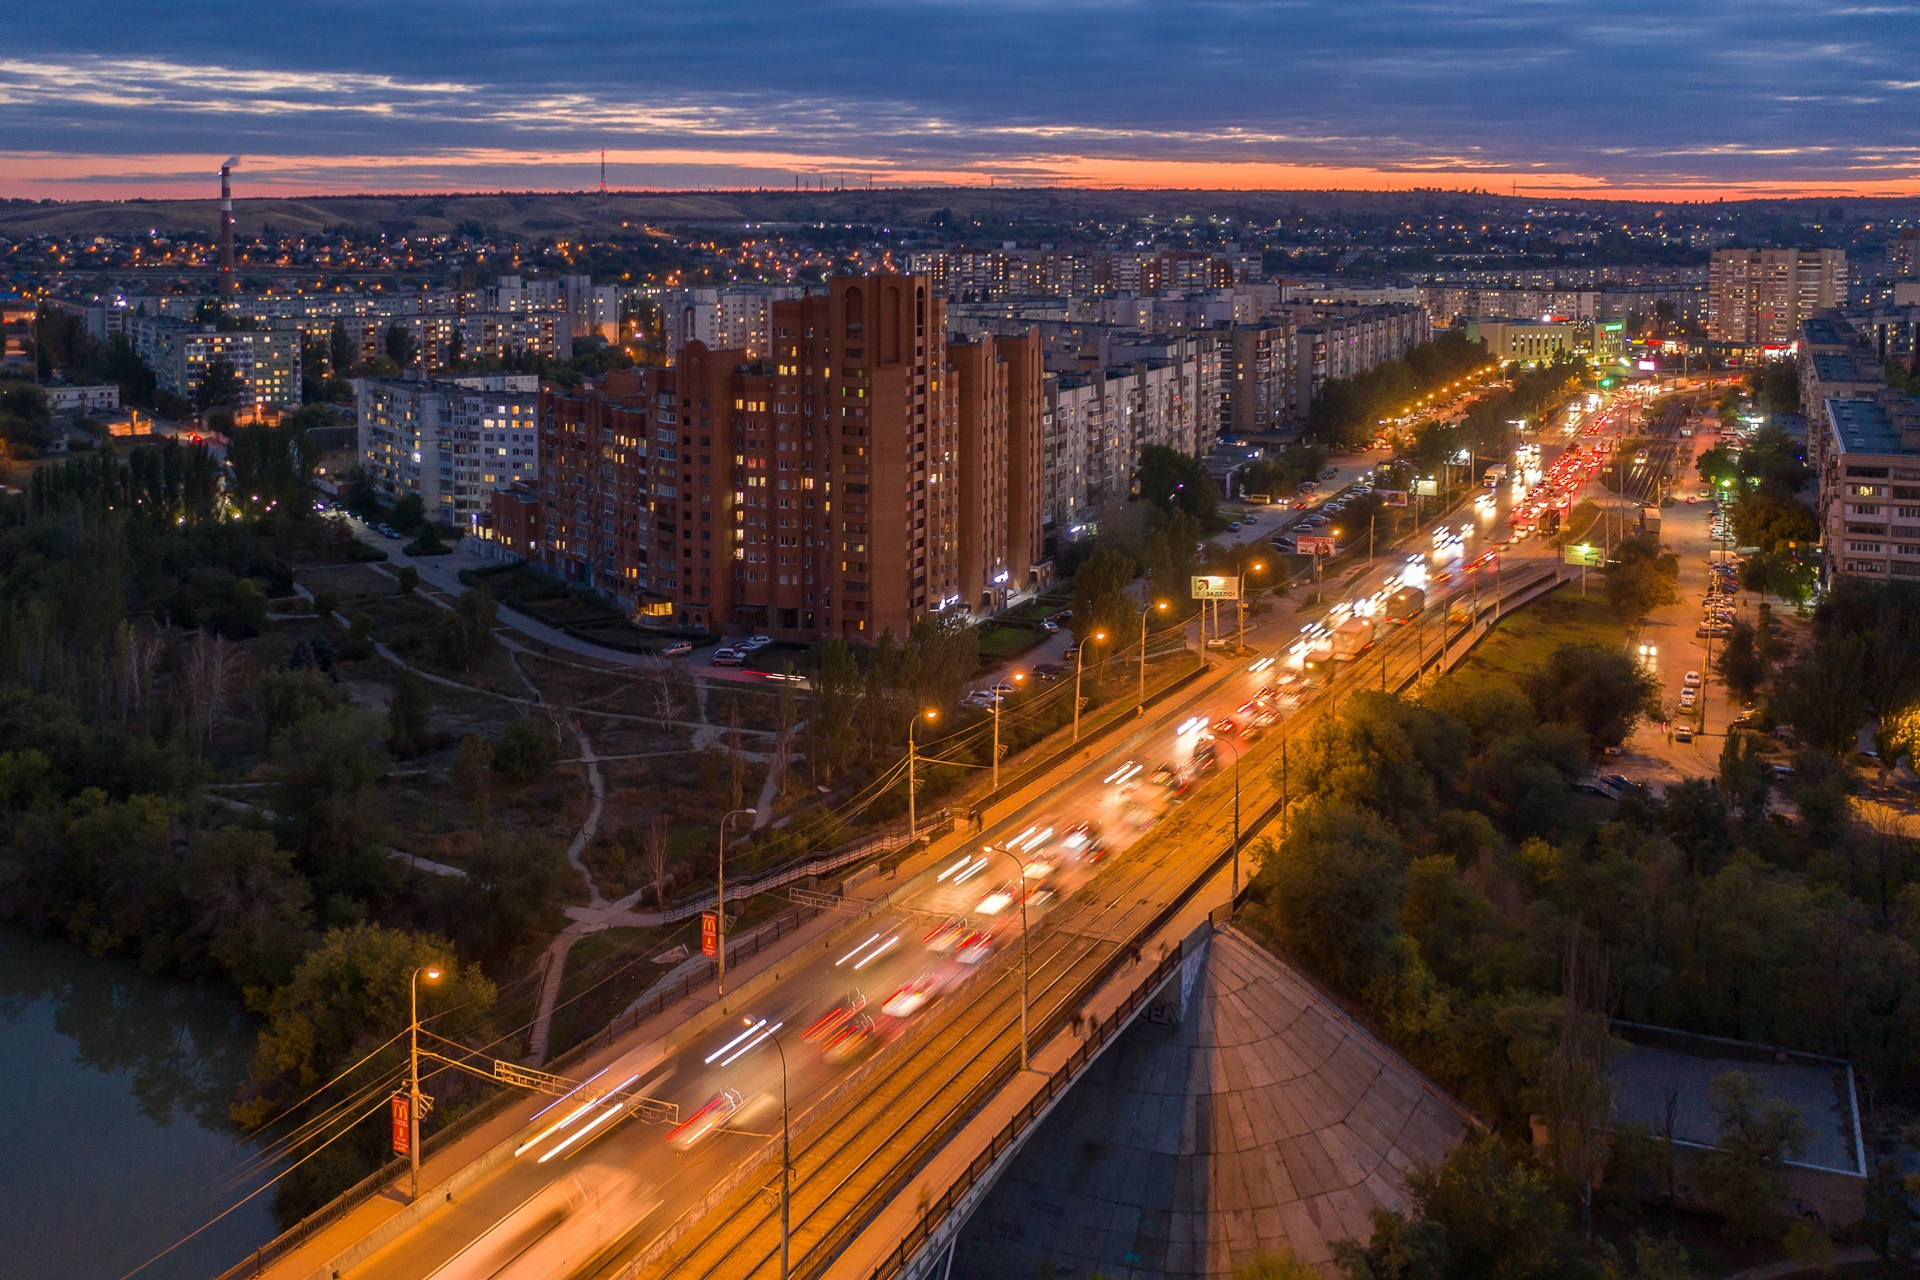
[[226, 224]]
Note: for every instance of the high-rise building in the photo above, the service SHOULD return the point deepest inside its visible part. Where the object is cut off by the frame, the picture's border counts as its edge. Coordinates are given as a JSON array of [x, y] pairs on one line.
[[452, 442], [814, 491], [179, 351], [1758, 297]]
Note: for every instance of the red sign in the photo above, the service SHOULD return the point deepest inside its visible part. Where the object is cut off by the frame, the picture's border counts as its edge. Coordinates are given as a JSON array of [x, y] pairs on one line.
[[402, 1131], [709, 934]]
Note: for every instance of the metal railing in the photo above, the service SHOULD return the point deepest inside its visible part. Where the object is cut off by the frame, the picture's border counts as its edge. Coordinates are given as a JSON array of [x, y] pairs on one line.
[[1056, 1084]]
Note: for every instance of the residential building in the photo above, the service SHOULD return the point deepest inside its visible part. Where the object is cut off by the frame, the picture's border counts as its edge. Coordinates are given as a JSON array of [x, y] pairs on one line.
[[1259, 379], [452, 442], [1870, 487], [818, 490], [1758, 297], [723, 318], [1903, 255], [179, 351], [94, 399]]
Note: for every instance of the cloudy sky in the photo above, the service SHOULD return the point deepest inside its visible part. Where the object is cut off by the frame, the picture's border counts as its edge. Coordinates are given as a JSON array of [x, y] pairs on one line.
[[1681, 97]]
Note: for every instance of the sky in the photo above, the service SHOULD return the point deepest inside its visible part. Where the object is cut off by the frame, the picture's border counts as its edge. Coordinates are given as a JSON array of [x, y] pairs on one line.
[[1664, 100]]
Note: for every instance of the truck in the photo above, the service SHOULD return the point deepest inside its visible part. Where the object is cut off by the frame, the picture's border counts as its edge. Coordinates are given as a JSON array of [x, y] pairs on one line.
[[1405, 604], [1650, 519], [1495, 474], [1352, 638]]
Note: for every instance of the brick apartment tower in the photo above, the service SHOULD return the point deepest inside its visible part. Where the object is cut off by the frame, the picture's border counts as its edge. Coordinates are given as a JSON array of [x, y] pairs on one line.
[[828, 490]]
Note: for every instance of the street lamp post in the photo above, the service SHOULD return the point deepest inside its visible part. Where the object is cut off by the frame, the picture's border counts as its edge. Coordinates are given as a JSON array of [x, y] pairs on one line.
[[997, 697], [786, 1135], [913, 826], [720, 902], [1142, 708], [1020, 869], [413, 1077], [1079, 664]]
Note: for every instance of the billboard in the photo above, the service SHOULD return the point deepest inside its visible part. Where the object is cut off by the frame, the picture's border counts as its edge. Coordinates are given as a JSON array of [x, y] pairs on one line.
[[1584, 553], [402, 1130], [1392, 497], [1215, 586], [1313, 544], [1427, 488], [709, 933]]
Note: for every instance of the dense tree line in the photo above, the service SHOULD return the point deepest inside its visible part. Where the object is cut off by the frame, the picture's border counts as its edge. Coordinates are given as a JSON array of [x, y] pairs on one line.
[[1435, 873], [1345, 411]]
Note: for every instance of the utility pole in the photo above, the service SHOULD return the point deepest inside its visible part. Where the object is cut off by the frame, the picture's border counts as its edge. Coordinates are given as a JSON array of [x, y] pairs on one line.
[[720, 902], [413, 1078], [1020, 872]]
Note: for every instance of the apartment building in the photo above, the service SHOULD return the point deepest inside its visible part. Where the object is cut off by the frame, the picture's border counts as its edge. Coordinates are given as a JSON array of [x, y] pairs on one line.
[[1345, 341], [1259, 379], [722, 318], [858, 476], [1759, 297], [990, 275], [453, 442], [179, 351], [1870, 487]]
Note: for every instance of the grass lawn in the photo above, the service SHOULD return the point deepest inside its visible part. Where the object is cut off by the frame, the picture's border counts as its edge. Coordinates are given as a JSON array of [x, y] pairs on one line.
[[1523, 640], [998, 641]]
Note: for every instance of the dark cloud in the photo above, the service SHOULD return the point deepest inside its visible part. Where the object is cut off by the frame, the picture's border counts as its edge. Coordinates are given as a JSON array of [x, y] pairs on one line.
[[1638, 93]]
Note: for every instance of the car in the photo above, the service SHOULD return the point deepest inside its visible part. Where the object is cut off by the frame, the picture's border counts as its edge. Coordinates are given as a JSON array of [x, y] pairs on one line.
[[753, 644], [718, 1110], [999, 899], [1329, 474], [1783, 771], [1250, 518], [1318, 521], [1071, 651], [727, 658], [836, 1017], [1692, 678], [1233, 526], [1687, 698], [913, 995], [679, 649], [1225, 724], [855, 1039], [975, 947], [982, 698], [943, 937], [387, 531], [1683, 733], [1049, 626], [1065, 615], [1047, 670], [1300, 504]]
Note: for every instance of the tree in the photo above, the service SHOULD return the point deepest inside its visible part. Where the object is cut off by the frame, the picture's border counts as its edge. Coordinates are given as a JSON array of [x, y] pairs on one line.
[[469, 776], [406, 580], [407, 714], [248, 903], [510, 896], [327, 770], [1739, 663], [342, 354], [1331, 891], [833, 710], [1478, 1215], [464, 635], [1099, 594], [1768, 522], [456, 347], [285, 698], [409, 513], [1174, 481], [1601, 690], [1278, 1264], [525, 751], [25, 416], [1743, 1176], [220, 386], [400, 344], [1642, 578], [1823, 694], [349, 994]]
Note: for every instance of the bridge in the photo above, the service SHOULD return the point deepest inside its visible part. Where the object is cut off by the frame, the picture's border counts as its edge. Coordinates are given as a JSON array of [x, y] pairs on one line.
[[907, 1110]]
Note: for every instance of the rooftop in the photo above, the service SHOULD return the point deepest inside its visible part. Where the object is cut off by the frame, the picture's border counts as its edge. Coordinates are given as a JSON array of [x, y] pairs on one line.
[[1863, 426]]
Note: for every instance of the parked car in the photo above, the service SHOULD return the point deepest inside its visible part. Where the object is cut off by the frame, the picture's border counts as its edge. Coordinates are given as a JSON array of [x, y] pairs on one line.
[[727, 658], [679, 649], [1049, 625], [1250, 518], [1233, 526], [1691, 678]]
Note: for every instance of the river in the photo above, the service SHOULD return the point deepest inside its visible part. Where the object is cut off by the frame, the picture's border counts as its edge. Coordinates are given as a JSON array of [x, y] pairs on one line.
[[113, 1119]]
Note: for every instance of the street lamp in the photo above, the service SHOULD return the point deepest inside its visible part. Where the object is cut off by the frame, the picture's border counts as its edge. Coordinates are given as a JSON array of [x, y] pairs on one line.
[[913, 825], [1142, 708], [720, 901], [1020, 869], [997, 698], [1079, 663], [413, 1077]]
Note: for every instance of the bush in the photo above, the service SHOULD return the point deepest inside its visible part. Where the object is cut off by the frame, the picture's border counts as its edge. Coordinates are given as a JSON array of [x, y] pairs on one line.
[[525, 751]]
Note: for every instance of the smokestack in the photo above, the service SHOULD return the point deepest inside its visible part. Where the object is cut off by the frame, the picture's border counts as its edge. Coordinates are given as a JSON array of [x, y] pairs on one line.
[[226, 224]]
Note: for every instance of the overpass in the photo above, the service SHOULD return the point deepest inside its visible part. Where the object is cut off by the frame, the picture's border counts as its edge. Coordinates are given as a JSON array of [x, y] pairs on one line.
[[890, 1155]]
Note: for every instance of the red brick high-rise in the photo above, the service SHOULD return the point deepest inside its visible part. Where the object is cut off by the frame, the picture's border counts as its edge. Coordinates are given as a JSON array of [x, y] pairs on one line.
[[830, 489]]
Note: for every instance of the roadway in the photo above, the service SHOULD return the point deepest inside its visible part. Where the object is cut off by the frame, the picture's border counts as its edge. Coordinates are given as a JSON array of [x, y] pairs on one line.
[[914, 1071]]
